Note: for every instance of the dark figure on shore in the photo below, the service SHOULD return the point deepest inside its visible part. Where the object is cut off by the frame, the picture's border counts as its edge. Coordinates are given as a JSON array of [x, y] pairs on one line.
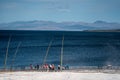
[[58, 67], [37, 67]]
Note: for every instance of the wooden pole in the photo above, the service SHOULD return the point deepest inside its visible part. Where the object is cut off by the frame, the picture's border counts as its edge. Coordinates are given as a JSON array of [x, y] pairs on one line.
[[15, 55], [61, 60], [7, 53], [47, 52]]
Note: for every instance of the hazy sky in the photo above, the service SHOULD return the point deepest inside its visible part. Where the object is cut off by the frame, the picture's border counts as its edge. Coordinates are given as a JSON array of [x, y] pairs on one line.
[[60, 10]]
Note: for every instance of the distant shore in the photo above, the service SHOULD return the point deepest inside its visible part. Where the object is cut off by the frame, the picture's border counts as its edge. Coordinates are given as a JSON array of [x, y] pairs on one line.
[[114, 30]]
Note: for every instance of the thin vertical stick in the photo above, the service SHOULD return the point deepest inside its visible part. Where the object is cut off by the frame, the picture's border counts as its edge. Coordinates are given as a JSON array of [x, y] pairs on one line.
[[15, 55], [61, 60], [47, 52], [7, 53]]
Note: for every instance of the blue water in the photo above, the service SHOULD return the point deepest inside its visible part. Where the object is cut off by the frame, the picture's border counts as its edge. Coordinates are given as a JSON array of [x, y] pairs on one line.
[[80, 48]]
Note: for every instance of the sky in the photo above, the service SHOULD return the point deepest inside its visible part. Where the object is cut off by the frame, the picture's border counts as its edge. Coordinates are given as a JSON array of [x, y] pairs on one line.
[[59, 10]]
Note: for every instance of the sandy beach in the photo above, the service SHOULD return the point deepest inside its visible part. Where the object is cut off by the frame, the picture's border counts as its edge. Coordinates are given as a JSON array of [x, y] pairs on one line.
[[58, 76]]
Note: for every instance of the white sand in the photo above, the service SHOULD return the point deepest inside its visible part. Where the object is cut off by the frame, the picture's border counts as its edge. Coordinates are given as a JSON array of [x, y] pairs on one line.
[[57, 76]]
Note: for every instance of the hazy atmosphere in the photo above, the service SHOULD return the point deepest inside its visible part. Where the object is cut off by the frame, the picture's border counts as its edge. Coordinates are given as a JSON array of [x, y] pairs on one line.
[[59, 10]]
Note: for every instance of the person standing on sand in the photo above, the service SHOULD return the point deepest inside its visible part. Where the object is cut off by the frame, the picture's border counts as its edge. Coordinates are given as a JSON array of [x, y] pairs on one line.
[[37, 67], [47, 67], [53, 67], [58, 67], [50, 67], [31, 66]]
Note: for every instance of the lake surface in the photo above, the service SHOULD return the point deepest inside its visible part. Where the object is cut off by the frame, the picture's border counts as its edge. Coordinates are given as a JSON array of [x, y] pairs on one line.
[[80, 48]]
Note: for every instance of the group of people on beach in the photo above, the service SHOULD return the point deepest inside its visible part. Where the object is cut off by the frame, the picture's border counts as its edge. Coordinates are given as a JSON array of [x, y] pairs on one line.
[[47, 67], [36, 67]]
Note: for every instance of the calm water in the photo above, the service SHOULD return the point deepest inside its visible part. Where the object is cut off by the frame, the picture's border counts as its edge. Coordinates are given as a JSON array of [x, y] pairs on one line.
[[80, 48]]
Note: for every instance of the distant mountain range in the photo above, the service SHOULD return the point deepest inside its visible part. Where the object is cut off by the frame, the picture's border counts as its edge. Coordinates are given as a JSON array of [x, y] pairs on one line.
[[62, 26]]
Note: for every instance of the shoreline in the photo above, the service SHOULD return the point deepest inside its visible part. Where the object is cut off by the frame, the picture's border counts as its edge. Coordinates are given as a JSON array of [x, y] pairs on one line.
[[74, 71], [65, 75]]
